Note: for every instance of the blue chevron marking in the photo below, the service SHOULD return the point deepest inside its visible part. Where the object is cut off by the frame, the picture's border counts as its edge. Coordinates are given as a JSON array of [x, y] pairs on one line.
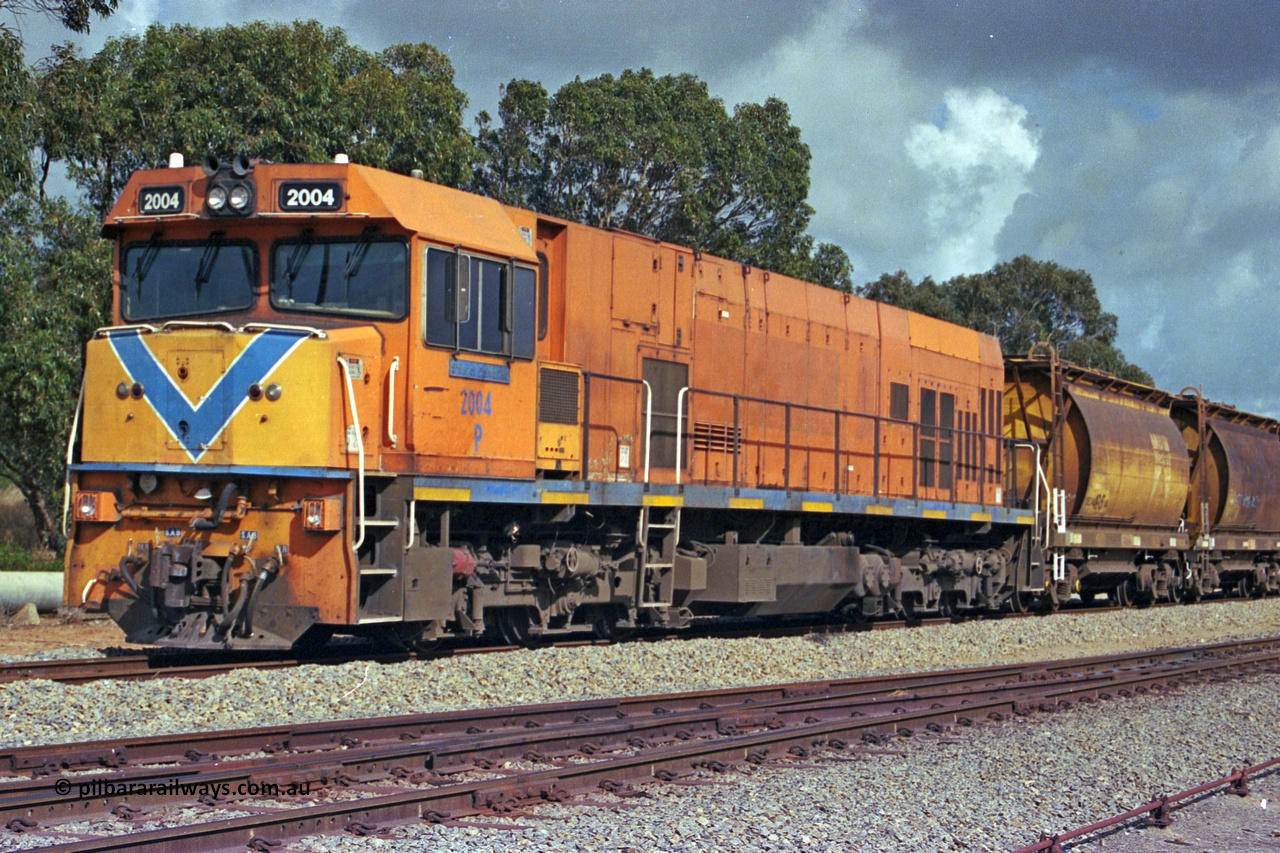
[[196, 427]]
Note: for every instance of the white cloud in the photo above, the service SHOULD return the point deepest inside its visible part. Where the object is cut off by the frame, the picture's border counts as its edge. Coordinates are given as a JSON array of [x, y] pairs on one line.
[[978, 163]]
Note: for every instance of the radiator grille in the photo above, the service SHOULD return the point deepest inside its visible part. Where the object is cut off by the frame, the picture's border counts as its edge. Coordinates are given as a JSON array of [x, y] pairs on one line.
[[558, 396], [714, 438]]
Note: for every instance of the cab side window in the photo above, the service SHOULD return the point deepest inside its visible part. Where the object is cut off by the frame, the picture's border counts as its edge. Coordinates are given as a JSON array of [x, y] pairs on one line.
[[476, 304]]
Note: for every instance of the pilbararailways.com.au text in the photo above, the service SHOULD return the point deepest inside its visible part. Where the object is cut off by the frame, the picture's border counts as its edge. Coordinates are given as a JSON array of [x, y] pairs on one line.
[[179, 788]]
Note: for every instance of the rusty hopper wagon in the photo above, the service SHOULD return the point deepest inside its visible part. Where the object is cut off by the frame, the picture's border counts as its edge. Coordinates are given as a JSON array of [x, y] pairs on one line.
[[341, 400]]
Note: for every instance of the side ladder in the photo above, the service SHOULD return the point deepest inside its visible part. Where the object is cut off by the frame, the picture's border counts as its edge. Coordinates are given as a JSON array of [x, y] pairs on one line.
[[660, 534]]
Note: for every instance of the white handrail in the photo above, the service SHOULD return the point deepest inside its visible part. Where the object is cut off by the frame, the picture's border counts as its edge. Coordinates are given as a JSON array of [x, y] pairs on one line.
[[648, 425], [71, 444], [1042, 480], [413, 524], [391, 401], [680, 429], [355, 421]]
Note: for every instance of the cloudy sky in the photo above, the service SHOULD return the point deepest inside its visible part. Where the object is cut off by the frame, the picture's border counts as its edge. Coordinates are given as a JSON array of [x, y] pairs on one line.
[[1139, 141]]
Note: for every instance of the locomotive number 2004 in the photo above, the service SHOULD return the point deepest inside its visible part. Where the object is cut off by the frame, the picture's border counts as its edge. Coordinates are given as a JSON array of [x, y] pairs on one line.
[[161, 200], [310, 195]]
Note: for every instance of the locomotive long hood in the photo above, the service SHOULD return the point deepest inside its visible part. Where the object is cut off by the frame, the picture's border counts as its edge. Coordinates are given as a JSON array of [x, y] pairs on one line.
[[209, 394]]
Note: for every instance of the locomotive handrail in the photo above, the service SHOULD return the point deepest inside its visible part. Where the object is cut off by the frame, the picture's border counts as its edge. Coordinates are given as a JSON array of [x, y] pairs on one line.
[[285, 327], [680, 429], [956, 465], [355, 421], [391, 401], [1042, 480], [197, 324], [648, 426], [139, 327], [71, 445]]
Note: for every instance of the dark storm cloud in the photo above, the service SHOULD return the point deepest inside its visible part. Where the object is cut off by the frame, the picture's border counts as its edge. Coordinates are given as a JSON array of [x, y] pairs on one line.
[[1225, 44], [1139, 141]]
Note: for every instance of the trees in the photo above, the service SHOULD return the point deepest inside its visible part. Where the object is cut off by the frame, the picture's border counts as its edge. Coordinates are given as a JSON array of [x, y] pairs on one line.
[[17, 117], [1021, 302], [287, 92], [662, 157], [72, 14], [55, 289]]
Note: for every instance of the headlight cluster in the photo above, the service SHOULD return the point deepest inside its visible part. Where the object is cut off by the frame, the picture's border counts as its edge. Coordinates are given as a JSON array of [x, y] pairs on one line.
[[230, 191]]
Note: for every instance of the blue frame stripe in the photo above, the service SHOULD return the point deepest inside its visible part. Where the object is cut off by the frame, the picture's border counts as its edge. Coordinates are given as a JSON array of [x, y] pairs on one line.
[[218, 470], [709, 497]]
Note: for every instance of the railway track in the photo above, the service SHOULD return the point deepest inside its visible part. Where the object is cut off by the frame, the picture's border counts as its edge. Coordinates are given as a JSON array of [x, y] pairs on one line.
[[443, 767], [138, 665], [141, 664]]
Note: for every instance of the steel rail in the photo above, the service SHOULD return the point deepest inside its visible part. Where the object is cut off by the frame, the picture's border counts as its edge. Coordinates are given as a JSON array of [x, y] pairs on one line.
[[797, 724], [1159, 811], [144, 664], [51, 758]]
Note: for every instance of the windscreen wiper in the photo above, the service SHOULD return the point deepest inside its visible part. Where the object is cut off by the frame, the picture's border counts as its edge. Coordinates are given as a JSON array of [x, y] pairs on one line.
[[356, 258], [205, 270], [293, 266], [147, 258]]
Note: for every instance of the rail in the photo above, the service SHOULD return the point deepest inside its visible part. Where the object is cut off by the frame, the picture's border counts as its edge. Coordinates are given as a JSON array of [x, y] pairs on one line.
[[947, 463]]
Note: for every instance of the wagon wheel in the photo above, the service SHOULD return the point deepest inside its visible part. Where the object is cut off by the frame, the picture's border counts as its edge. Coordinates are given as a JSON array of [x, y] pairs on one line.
[[1122, 595], [1177, 594], [1087, 597]]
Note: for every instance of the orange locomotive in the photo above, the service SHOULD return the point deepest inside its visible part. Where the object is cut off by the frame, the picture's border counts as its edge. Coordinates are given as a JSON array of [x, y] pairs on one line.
[[339, 399]]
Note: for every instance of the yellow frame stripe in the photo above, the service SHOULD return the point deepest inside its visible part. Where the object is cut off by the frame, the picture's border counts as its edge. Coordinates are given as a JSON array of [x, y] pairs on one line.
[[935, 513], [425, 493], [879, 510], [566, 498], [816, 506], [1024, 519], [746, 503], [979, 516], [663, 500]]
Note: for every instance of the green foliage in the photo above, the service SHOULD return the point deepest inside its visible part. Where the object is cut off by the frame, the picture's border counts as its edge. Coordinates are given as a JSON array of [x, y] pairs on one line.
[[55, 289], [285, 92], [660, 156], [1021, 302], [17, 117], [72, 14], [15, 558]]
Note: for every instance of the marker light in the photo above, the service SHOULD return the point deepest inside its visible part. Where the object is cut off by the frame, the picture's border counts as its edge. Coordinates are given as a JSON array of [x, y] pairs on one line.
[[96, 506]]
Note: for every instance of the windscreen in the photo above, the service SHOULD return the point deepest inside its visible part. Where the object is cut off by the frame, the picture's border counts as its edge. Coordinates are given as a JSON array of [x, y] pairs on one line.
[[160, 280], [358, 275]]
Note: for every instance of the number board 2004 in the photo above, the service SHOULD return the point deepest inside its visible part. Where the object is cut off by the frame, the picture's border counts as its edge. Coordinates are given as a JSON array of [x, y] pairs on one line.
[[309, 195], [154, 200]]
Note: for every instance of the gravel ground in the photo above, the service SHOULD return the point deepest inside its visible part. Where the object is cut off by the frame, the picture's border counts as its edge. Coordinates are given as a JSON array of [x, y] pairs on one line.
[[994, 790], [991, 788]]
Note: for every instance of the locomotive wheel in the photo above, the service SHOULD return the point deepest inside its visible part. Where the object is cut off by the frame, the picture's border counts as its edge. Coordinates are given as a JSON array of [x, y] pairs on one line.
[[605, 626], [1021, 601], [516, 627]]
